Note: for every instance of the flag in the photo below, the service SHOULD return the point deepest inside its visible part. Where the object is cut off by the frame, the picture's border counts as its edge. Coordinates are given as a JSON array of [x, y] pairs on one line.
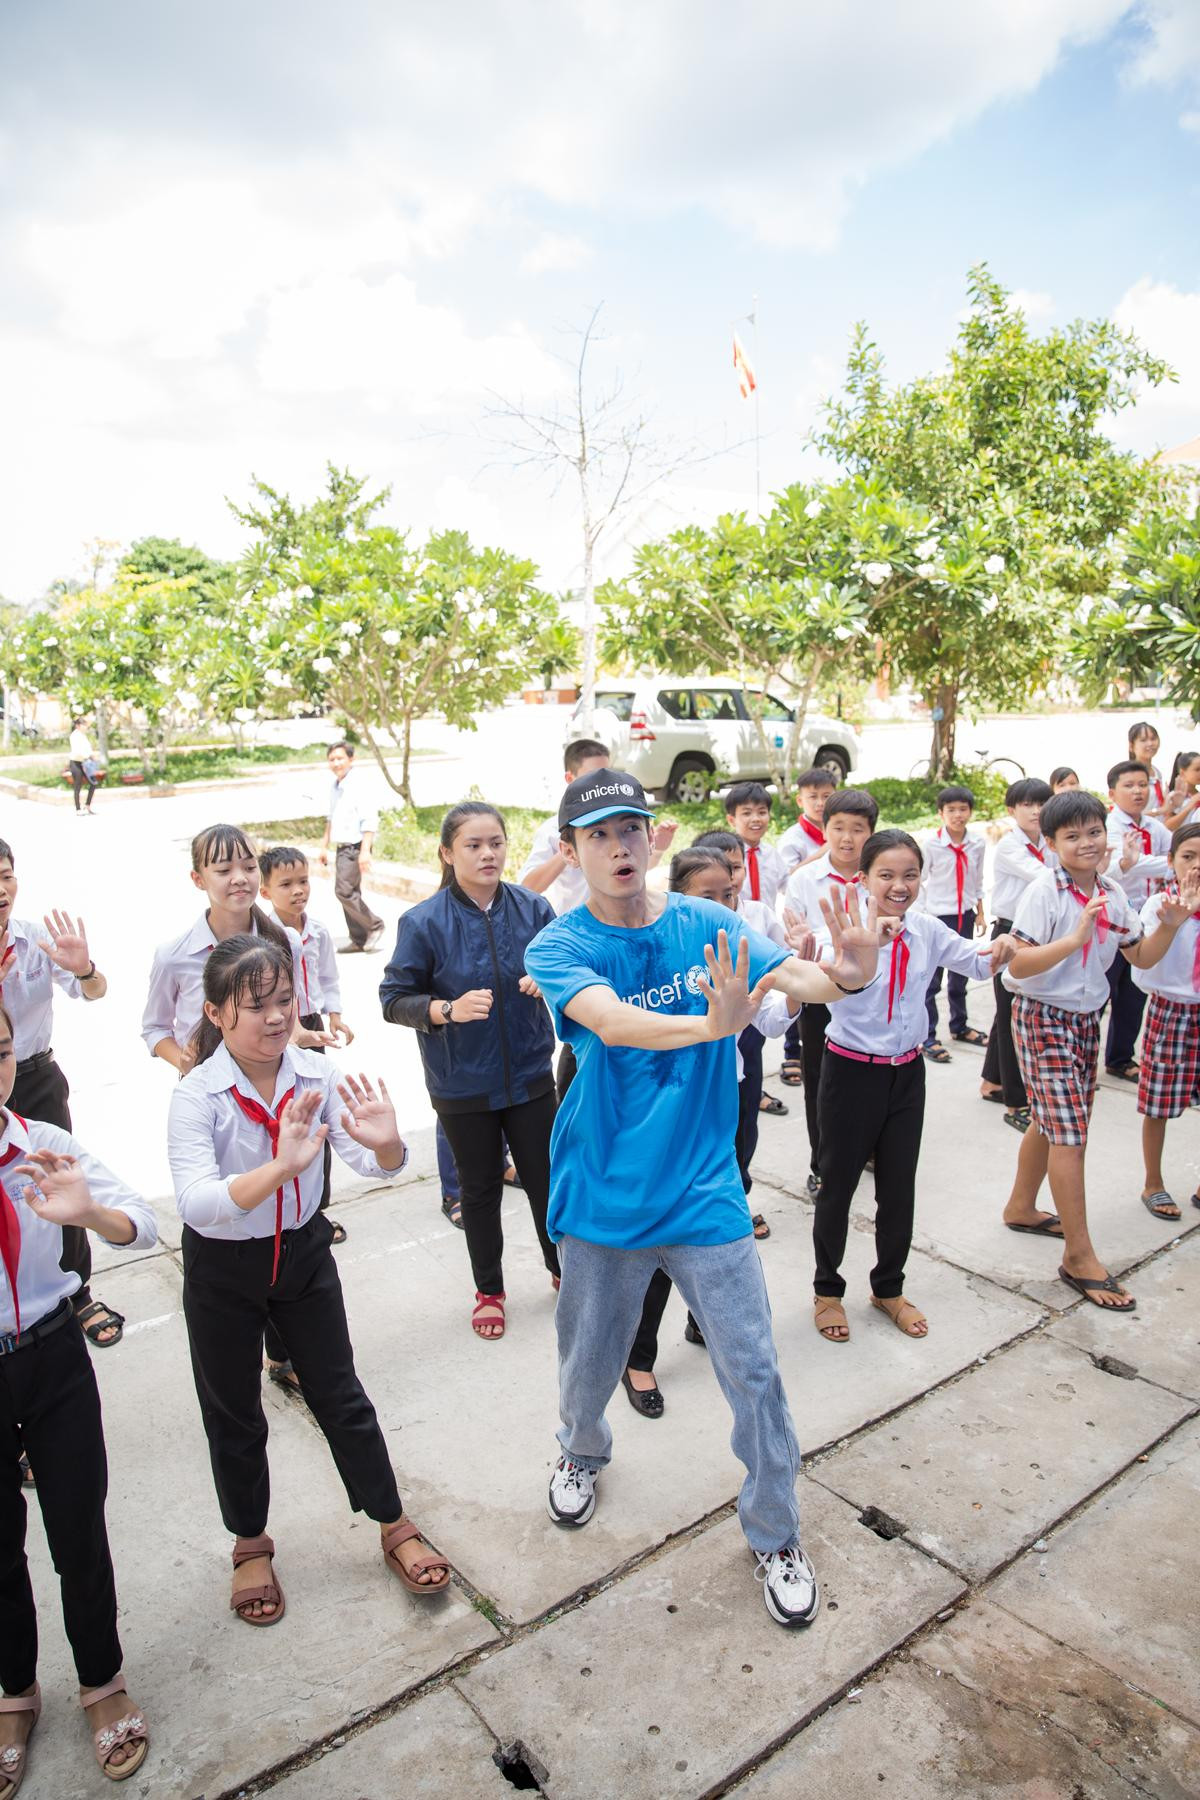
[[743, 369]]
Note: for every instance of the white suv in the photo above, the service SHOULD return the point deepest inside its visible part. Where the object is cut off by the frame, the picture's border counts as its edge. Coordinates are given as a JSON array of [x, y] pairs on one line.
[[683, 738]]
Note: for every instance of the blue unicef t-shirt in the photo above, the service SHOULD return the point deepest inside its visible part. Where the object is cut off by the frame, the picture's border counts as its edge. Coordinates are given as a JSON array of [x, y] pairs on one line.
[[643, 1144]]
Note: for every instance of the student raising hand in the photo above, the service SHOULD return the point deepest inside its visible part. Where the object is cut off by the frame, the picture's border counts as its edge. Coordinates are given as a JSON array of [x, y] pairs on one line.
[[1176, 909], [298, 1143], [371, 1120], [855, 945], [66, 943], [800, 938]]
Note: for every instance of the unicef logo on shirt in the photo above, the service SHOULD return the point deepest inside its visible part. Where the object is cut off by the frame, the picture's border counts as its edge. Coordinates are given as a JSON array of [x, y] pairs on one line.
[[695, 975]]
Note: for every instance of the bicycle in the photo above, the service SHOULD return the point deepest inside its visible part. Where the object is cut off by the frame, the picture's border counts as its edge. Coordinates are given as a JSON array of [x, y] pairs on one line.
[[1001, 765]]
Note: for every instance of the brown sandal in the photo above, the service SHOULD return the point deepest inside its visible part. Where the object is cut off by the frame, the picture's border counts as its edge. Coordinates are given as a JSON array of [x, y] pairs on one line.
[[903, 1314], [402, 1534], [488, 1310], [15, 1759], [131, 1729], [828, 1315], [271, 1594]]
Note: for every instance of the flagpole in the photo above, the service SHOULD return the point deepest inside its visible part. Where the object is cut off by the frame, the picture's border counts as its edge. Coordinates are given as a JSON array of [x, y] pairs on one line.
[[757, 431]]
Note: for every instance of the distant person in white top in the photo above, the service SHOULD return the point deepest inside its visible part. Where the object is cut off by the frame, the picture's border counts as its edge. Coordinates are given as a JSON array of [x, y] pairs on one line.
[[952, 890], [1140, 845], [748, 813], [83, 765], [1021, 855], [1169, 1081], [350, 828], [805, 840], [1144, 746]]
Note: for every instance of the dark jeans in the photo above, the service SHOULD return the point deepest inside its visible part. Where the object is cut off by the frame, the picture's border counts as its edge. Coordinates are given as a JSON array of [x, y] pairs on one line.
[[227, 1301], [273, 1344], [956, 984], [750, 1089], [477, 1140], [1000, 1063], [347, 886], [813, 1020], [49, 1407], [80, 780], [448, 1169], [868, 1109], [1125, 1018], [41, 1092]]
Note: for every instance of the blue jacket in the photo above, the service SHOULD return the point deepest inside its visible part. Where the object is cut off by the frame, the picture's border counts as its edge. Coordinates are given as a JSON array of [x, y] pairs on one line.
[[444, 947]]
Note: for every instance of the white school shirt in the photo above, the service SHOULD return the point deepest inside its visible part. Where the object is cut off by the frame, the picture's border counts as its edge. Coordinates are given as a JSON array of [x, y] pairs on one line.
[[320, 989], [773, 1017], [759, 917], [41, 1285], [939, 877], [569, 889], [28, 987], [175, 1002], [349, 816], [806, 889], [1049, 910], [1151, 868], [772, 872], [1177, 976], [80, 747], [796, 845], [1015, 867], [860, 1021], [210, 1141]]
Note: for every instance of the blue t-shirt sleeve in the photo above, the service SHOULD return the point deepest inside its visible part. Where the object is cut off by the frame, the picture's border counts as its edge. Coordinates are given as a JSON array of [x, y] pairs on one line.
[[561, 970]]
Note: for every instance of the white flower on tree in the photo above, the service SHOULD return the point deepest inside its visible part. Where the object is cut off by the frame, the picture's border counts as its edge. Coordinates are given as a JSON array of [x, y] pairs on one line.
[[351, 628], [929, 548], [390, 637], [926, 571], [877, 572], [813, 510], [994, 565], [322, 664]]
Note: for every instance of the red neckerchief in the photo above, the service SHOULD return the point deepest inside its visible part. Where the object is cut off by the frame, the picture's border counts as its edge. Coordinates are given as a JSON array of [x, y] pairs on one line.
[[812, 831], [898, 970], [304, 970], [1158, 791], [960, 870], [254, 1109], [845, 880], [752, 867], [10, 1236], [1034, 851], [1103, 922], [1141, 830]]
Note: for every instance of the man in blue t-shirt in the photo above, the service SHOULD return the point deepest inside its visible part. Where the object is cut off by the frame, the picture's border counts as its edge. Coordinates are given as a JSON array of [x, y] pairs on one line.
[[651, 991]]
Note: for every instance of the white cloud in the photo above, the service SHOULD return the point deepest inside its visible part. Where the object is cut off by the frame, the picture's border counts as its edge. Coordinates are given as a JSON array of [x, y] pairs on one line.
[[556, 251], [1034, 305], [1166, 320]]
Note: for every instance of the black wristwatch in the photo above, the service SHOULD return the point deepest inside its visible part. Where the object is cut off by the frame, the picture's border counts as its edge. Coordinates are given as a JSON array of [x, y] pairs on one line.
[[447, 1012]]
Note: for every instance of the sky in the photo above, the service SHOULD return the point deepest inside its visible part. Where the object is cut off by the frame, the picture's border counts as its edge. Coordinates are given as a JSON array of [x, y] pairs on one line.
[[249, 240]]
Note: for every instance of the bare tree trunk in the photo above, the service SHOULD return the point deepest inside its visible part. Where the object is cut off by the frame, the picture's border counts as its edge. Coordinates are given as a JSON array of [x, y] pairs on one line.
[[102, 729], [400, 787], [405, 781], [799, 714], [943, 704], [7, 731]]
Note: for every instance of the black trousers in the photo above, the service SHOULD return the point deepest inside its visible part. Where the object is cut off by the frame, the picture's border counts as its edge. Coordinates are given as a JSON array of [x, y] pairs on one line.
[[41, 1092], [956, 984], [274, 1345], [644, 1353], [750, 1088], [813, 1020], [347, 886], [477, 1140], [868, 1109], [49, 1405], [80, 780], [227, 1301], [564, 1074], [1125, 1017], [1000, 1063]]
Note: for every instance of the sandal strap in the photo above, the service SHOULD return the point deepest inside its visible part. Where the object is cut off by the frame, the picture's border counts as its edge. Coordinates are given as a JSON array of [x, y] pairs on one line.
[[399, 1534], [112, 1316], [17, 1703], [426, 1563], [89, 1696], [249, 1548], [269, 1594], [131, 1729]]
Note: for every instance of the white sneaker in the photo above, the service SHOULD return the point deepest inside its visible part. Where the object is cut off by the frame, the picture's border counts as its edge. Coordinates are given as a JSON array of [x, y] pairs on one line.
[[789, 1586], [572, 1496]]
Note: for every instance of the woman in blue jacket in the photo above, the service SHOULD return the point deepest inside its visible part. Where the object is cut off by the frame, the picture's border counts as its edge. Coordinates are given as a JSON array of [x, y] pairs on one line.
[[457, 977]]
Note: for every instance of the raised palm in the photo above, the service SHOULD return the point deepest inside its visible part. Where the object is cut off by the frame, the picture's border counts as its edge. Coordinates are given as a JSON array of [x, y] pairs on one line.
[[370, 1118], [58, 1188], [66, 943], [299, 1140]]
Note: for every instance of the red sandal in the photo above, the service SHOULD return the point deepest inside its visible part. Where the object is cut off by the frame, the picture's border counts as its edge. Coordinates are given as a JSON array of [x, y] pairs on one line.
[[488, 1310], [402, 1534], [271, 1594]]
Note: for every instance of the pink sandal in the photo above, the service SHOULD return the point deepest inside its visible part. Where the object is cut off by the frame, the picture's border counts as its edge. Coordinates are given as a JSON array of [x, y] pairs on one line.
[[402, 1534], [13, 1757], [271, 1594], [131, 1729], [488, 1310]]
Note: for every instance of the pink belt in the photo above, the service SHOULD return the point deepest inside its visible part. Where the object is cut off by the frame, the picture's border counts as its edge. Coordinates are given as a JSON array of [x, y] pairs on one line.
[[888, 1062]]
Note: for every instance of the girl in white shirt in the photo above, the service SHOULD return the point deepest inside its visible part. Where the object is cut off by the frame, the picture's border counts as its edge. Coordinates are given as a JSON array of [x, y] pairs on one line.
[[49, 1401], [245, 1136], [83, 771], [1169, 1079], [872, 1098]]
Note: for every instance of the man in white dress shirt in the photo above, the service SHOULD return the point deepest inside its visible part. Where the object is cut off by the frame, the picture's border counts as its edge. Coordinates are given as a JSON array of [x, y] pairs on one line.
[[351, 826]]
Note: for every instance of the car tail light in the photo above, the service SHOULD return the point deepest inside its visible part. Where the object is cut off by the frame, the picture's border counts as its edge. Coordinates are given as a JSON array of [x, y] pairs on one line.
[[639, 731]]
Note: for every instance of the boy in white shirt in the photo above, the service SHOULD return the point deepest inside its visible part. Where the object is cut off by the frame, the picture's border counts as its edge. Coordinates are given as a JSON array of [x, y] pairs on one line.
[[805, 840], [1070, 924], [748, 816], [351, 826], [952, 890], [1169, 1080], [1140, 848], [1021, 856]]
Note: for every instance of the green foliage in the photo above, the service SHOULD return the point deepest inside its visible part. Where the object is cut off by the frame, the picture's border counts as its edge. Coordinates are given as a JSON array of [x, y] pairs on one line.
[[210, 763], [1148, 627]]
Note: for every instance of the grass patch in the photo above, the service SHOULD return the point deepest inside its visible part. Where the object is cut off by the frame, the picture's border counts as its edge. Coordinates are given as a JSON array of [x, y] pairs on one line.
[[207, 764]]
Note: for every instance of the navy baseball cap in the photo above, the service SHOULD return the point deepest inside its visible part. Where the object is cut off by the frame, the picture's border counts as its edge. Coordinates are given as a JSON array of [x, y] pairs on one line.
[[590, 798]]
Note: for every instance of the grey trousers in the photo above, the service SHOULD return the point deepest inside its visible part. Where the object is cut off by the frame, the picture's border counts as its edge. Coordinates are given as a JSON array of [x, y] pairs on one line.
[[347, 885]]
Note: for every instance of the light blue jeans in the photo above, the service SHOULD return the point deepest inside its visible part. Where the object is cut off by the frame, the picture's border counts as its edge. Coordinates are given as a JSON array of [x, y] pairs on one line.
[[599, 1306]]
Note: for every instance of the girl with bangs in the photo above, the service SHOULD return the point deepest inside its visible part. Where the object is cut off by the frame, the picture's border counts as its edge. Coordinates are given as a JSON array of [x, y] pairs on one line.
[[246, 1133]]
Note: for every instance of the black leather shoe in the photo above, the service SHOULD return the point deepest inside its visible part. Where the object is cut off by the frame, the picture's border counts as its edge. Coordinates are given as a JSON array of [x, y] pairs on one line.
[[650, 1404], [693, 1334]]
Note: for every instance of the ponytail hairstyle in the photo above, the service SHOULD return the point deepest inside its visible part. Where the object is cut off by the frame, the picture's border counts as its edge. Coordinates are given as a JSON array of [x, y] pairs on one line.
[[1181, 762], [221, 843], [237, 967], [453, 822], [689, 862]]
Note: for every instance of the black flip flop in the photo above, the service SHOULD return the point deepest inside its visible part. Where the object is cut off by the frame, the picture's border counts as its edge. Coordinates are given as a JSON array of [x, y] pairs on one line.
[[762, 1230], [971, 1036], [285, 1377], [1042, 1230], [1020, 1118], [792, 1072], [650, 1404], [1087, 1285], [997, 1099], [776, 1108], [936, 1053], [27, 1480], [453, 1211], [1152, 1202], [92, 1332], [1131, 1072], [339, 1231]]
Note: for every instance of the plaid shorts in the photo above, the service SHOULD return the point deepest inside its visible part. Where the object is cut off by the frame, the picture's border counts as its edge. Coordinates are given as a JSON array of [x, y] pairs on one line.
[[1170, 1058], [1058, 1052]]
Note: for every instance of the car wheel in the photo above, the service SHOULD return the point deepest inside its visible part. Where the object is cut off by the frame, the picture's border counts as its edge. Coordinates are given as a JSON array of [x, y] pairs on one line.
[[691, 781], [833, 759]]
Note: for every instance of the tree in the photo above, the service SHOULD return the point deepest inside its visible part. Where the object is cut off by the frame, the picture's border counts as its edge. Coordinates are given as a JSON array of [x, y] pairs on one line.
[[1006, 451], [1147, 628], [338, 610]]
